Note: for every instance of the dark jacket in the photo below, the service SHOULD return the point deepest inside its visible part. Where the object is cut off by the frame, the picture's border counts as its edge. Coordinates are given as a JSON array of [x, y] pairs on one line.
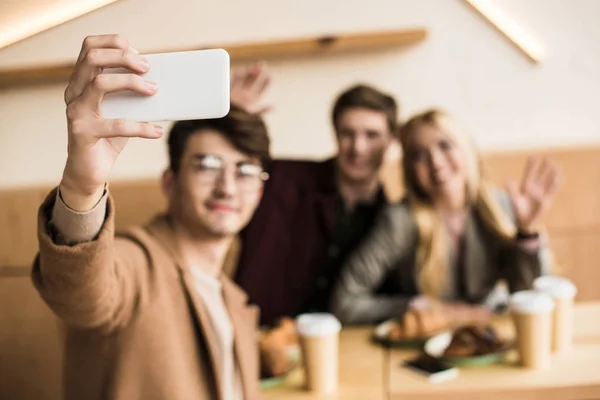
[[288, 256]]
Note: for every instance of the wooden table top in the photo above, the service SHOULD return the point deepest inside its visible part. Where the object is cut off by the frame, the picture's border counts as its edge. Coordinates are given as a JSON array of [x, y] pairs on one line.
[[361, 373], [369, 372], [571, 376]]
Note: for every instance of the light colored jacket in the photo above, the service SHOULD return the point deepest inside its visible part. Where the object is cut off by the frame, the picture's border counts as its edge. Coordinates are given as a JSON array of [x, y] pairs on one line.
[[136, 326], [389, 255]]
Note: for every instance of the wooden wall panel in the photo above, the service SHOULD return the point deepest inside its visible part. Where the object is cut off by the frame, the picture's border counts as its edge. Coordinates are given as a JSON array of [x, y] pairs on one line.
[[391, 175], [564, 252], [577, 256], [137, 202], [18, 218], [577, 205], [574, 222], [583, 267], [30, 346]]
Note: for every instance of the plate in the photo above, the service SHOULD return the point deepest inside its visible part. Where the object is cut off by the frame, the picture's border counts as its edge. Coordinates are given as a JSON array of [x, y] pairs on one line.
[[436, 346], [272, 382], [380, 336]]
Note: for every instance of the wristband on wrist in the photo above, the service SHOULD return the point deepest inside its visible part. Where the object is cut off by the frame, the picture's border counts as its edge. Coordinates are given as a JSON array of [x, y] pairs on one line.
[[522, 235]]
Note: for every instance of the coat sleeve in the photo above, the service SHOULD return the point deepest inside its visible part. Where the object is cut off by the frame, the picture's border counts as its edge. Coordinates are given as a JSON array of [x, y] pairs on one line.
[[95, 283], [354, 300]]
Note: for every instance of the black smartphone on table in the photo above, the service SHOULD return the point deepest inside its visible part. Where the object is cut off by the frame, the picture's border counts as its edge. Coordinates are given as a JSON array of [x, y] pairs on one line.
[[430, 368]]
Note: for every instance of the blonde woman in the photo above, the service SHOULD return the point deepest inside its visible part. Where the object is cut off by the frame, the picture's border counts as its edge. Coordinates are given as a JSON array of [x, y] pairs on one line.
[[453, 238]]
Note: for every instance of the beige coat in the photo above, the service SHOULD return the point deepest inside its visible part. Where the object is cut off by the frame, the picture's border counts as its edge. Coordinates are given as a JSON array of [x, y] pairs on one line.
[[136, 328]]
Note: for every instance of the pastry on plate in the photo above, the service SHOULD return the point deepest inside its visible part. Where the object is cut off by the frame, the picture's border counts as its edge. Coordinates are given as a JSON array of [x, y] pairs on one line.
[[287, 328], [417, 324], [473, 340], [274, 345]]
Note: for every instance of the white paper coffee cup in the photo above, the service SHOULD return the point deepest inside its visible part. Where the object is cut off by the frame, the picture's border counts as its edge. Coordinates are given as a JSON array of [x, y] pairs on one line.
[[563, 291], [555, 286], [319, 341], [532, 314]]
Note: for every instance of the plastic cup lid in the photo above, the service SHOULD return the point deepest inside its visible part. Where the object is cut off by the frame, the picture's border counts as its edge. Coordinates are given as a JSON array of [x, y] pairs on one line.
[[531, 302], [317, 324], [555, 286]]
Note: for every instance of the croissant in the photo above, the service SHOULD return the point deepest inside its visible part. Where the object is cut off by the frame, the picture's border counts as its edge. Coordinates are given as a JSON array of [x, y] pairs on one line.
[[274, 357], [274, 348], [417, 324], [287, 328]]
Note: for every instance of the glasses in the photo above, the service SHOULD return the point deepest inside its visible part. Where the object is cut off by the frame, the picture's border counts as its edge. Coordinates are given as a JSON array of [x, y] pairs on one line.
[[209, 168]]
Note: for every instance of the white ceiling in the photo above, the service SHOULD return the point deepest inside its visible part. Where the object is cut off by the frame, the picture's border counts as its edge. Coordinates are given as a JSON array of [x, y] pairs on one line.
[[23, 18]]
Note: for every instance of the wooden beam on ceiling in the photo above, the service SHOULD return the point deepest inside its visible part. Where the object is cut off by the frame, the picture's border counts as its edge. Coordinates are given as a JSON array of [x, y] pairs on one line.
[[269, 50]]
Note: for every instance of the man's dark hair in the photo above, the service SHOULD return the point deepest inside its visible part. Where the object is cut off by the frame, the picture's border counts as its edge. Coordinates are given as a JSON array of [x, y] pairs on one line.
[[245, 131], [364, 96]]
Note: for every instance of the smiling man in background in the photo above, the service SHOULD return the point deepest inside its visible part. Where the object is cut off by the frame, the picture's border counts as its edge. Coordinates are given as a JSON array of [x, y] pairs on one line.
[[313, 213]]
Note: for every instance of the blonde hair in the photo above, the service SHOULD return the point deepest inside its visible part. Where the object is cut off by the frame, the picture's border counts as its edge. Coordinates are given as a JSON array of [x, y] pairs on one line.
[[432, 252]]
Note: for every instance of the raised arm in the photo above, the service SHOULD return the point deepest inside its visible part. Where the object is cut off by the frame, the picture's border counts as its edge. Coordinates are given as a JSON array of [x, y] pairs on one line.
[[248, 87], [354, 300], [527, 257], [86, 276]]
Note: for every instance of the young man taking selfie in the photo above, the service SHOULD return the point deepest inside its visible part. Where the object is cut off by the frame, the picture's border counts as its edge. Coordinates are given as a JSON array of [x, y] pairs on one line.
[[148, 313]]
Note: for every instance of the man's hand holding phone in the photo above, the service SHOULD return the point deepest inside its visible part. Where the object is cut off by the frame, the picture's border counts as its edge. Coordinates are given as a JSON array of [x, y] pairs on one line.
[[94, 143]]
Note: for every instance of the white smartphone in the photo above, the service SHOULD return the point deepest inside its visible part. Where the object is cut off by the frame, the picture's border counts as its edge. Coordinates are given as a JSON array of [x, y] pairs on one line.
[[432, 369], [191, 85]]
